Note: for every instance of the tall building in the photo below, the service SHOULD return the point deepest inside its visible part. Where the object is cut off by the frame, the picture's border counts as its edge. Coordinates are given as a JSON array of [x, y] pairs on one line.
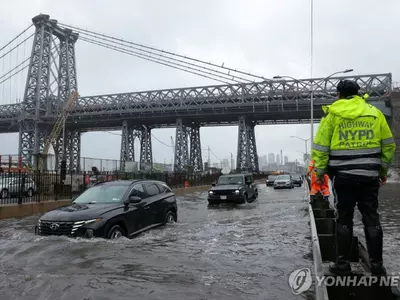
[[225, 163], [278, 159], [286, 160], [271, 158]]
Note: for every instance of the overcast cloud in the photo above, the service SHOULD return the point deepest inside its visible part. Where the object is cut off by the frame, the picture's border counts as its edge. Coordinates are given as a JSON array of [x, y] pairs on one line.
[[269, 37]]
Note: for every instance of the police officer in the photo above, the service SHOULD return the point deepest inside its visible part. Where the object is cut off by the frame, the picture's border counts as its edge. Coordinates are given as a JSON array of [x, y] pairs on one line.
[[355, 146]]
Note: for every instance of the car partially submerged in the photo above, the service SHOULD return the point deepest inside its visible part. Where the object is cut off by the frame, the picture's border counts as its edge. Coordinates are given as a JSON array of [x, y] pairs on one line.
[[233, 188], [113, 209]]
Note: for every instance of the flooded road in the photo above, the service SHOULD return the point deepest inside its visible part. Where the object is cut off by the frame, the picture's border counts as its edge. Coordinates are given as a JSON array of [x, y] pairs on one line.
[[243, 252], [389, 209]]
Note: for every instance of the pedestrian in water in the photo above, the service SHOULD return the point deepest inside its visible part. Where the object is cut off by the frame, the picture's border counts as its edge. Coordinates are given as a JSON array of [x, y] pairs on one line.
[[354, 146]]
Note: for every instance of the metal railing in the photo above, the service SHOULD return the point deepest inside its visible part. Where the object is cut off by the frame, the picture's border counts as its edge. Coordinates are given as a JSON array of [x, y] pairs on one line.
[[37, 186], [321, 292]]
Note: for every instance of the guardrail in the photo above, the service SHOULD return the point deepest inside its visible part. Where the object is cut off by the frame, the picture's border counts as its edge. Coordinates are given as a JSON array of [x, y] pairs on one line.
[[321, 292]]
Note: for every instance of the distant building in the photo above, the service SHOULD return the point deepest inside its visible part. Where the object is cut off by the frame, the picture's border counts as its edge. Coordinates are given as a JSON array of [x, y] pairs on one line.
[[278, 159], [271, 158], [286, 160], [225, 163]]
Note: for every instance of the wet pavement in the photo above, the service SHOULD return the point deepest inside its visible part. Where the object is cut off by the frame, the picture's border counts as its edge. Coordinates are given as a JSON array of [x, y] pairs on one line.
[[242, 252]]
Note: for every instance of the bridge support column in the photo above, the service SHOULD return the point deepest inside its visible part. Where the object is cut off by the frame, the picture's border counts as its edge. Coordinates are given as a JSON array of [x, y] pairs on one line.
[[181, 159], [73, 150], [247, 158], [146, 155], [127, 144], [196, 159]]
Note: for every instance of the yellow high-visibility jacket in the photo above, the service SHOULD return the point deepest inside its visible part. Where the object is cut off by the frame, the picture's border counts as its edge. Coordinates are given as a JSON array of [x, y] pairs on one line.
[[353, 138]]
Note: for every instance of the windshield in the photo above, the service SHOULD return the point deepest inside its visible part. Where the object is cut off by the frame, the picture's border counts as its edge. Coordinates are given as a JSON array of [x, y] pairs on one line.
[[103, 194], [224, 180], [283, 177], [271, 177]]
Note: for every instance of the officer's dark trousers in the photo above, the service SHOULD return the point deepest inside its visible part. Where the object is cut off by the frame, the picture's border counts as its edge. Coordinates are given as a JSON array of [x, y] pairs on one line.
[[363, 193]]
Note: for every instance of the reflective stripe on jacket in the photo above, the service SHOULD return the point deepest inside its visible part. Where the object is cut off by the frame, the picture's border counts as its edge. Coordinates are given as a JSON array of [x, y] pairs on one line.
[[353, 138]]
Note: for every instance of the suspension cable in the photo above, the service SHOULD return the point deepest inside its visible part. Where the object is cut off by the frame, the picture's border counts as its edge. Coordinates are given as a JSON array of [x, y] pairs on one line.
[[149, 59], [16, 37], [163, 55], [19, 44], [167, 52], [5, 74]]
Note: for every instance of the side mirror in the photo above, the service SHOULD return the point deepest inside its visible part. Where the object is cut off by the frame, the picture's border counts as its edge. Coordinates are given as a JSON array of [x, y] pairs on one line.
[[134, 199]]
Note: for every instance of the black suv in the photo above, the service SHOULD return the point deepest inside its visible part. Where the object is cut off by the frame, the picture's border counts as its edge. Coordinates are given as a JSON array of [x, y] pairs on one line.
[[233, 188], [297, 180], [113, 209]]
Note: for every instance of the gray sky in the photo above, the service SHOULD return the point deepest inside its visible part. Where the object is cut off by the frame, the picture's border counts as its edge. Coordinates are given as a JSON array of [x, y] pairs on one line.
[[269, 37]]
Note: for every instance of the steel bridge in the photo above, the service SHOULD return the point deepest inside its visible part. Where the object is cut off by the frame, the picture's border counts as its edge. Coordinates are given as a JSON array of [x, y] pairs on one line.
[[50, 81]]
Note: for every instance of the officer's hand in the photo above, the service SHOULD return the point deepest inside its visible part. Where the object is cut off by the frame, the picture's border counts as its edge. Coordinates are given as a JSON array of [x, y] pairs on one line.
[[320, 178], [383, 180]]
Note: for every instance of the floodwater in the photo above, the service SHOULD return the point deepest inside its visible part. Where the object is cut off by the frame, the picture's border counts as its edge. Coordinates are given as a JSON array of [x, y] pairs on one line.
[[243, 252], [389, 208]]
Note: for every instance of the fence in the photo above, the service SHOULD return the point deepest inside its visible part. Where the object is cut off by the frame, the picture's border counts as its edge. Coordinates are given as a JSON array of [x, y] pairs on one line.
[[37, 186]]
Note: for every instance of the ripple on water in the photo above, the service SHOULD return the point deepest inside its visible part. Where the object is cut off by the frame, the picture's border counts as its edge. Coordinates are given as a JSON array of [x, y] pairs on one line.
[[243, 252]]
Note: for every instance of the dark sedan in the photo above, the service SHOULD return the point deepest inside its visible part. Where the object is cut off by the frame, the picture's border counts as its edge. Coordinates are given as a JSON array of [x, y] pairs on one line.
[[113, 209]]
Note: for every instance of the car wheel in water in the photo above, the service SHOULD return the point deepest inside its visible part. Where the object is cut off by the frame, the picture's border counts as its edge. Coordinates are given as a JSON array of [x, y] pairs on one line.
[[30, 192], [115, 232], [4, 193], [170, 217]]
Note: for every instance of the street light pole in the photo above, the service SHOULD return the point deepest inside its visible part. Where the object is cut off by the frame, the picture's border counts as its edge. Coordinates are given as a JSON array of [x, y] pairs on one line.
[[311, 69], [305, 143], [312, 92]]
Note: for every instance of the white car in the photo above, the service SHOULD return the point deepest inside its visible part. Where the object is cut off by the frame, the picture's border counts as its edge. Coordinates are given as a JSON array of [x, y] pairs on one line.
[[12, 185], [283, 182]]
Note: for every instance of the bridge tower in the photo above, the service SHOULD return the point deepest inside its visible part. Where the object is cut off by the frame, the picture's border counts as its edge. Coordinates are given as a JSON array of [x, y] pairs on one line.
[[50, 81], [247, 158]]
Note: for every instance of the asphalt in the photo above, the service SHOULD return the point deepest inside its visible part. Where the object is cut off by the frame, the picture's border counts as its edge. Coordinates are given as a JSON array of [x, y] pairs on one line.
[[242, 252]]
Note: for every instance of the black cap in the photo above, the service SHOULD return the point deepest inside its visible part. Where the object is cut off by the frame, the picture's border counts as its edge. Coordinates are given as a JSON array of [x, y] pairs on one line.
[[348, 87]]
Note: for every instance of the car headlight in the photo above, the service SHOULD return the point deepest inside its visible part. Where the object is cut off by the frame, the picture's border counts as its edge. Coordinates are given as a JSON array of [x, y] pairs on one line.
[[210, 192], [237, 192], [79, 224]]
